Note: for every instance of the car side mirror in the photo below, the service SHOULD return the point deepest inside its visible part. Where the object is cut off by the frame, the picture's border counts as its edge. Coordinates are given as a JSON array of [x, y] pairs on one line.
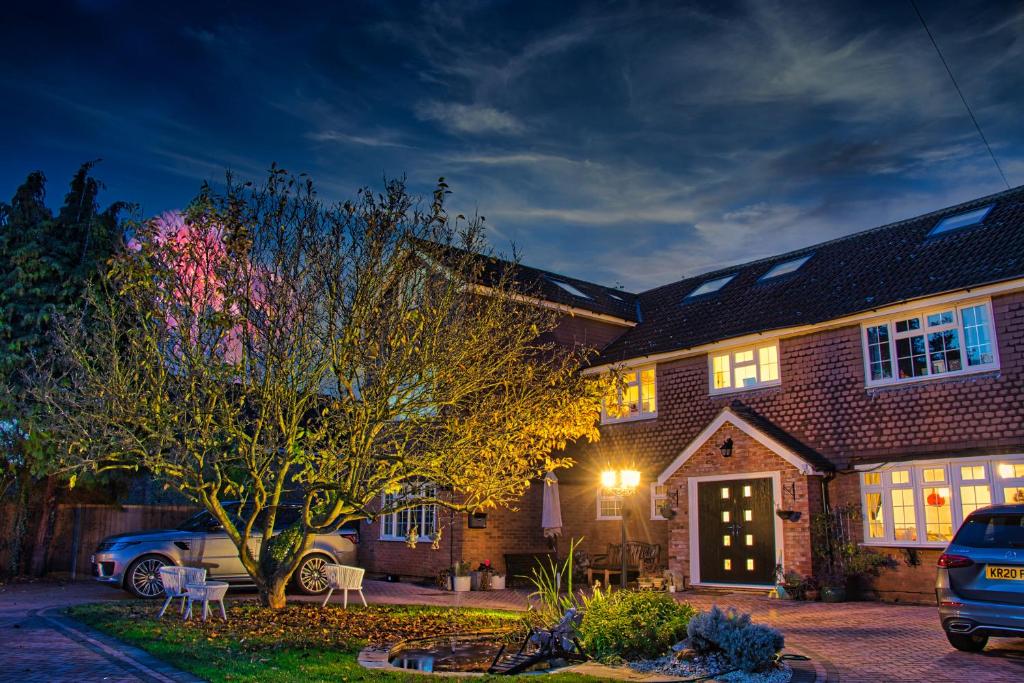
[[216, 526]]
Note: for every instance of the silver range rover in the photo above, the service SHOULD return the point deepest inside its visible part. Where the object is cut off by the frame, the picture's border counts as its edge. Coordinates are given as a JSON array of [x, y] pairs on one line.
[[132, 561], [980, 582]]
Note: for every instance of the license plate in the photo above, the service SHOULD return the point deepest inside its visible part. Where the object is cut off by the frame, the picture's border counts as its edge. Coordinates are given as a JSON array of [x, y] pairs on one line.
[[1004, 573]]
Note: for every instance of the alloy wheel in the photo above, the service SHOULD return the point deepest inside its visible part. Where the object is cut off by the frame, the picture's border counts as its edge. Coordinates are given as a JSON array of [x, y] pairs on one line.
[[146, 577], [312, 576]]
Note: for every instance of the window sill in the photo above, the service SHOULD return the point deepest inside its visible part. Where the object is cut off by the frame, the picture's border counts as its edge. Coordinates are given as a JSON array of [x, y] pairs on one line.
[[609, 519], [934, 545], [637, 418], [405, 539], [726, 392], [892, 384]]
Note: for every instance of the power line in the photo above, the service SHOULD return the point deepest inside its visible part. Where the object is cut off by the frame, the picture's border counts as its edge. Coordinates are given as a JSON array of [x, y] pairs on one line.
[[959, 92]]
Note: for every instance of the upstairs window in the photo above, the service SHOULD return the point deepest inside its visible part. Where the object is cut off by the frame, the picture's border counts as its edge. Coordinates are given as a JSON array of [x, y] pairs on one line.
[[710, 286], [948, 341], [636, 397], [961, 220], [745, 368]]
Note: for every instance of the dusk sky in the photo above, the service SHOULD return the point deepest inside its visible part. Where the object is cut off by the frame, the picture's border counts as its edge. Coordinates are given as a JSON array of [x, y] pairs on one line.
[[625, 143]]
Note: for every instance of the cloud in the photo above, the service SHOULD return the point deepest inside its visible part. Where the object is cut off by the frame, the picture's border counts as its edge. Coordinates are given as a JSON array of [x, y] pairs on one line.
[[345, 138], [469, 118]]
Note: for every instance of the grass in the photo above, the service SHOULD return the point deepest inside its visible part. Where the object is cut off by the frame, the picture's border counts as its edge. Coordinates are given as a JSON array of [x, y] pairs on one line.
[[303, 642]]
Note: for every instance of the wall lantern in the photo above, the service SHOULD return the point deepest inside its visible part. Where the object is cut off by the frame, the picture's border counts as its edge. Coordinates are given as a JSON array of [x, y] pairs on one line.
[[726, 448]]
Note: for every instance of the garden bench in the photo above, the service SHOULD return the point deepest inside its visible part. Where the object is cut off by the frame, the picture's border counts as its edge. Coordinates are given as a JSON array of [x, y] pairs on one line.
[[642, 558]]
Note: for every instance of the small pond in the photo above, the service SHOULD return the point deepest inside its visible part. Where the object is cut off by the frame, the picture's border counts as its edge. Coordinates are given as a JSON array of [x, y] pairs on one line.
[[470, 653]]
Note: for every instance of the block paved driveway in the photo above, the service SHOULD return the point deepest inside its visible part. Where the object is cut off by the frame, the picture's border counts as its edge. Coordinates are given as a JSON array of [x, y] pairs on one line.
[[852, 642]]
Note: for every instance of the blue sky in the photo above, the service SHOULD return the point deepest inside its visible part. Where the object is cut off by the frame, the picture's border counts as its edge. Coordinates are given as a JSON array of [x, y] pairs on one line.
[[626, 143]]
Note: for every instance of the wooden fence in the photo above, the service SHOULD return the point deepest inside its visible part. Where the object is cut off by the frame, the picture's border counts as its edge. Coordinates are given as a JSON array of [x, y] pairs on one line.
[[79, 528]]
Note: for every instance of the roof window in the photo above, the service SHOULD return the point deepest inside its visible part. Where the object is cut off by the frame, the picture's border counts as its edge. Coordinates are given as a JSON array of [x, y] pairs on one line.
[[711, 286], [961, 220], [785, 268], [569, 288]]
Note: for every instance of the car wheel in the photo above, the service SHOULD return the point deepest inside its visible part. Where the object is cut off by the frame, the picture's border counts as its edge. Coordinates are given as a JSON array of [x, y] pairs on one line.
[[967, 643], [310, 577], [143, 576]]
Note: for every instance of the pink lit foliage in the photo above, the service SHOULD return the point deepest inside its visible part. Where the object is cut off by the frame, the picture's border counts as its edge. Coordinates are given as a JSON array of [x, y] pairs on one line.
[[202, 291]]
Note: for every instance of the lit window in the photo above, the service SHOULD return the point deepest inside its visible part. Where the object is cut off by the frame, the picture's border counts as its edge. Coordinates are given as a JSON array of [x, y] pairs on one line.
[[636, 397], [609, 505], [974, 497], [569, 288], [872, 479], [747, 368], [785, 267], [961, 220], [972, 472], [396, 526], [934, 474], [710, 286], [876, 523], [659, 498], [1010, 470], [900, 477], [952, 340], [903, 515], [938, 515]]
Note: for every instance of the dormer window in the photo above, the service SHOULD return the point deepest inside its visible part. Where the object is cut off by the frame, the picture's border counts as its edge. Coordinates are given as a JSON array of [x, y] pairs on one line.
[[961, 220], [711, 286], [785, 268]]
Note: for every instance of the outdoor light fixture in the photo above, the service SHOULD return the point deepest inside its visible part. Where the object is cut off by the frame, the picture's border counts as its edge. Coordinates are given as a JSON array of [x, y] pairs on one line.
[[726, 448], [621, 483]]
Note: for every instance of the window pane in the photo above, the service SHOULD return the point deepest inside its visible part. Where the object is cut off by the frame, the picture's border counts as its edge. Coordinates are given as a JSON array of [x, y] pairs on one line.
[[938, 514], [876, 522], [934, 474], [944, 350], [879, 357], [1009, 470], [972, 472], [908, 325], [1013, 494], [938, 319], [974, 497], [872, 479], [768, 359], [744, 356], [977, 335], [631, 399], [900, 477], [647, 390], [904, 519], [746, 375], [720, 369], [611, 506], [911, 358]]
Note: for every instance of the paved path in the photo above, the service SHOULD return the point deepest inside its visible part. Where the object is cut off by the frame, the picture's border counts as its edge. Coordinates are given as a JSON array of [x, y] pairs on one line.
[[856, 642]]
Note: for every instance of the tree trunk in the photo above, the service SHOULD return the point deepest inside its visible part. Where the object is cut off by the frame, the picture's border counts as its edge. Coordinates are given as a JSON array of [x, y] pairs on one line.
[[44, 532], [272, 595]]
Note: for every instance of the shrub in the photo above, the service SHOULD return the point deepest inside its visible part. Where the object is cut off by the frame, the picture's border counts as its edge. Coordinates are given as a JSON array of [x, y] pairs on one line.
[[633, 625], [747, 646]]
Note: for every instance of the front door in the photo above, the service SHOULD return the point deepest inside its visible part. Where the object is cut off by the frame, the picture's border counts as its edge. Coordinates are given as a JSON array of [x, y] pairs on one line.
[[736, 524]]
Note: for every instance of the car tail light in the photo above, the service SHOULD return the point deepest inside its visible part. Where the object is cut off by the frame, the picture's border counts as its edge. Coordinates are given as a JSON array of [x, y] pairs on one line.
[[951, 603], [954, 561], [351, 535]]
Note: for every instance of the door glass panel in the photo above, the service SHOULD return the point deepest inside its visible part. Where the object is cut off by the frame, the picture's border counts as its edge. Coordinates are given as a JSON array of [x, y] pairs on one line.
[[747, 492], [938, 514], [725, 515], [750, 539], [750, 564], [725, 493], [876, 522], [974, 497], [748, 515], [727, 540], [727, 564]]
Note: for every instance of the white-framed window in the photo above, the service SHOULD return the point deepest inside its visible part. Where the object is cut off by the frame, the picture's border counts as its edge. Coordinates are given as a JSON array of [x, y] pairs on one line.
[[951, 340], [742, 369], [659, 497], [395, 526], [924, 502], [609, 505], [635, 399]]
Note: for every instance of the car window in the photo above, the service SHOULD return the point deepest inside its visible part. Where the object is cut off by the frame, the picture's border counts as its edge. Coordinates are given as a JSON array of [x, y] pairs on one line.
[[286, 517], [204, 521], [992, 531]]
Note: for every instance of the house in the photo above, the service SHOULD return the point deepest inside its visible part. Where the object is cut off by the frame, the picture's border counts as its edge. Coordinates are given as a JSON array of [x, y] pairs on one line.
[[884, 369]]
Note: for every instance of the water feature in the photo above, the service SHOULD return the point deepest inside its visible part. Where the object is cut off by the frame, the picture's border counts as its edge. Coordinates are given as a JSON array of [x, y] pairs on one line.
[[463, 652]]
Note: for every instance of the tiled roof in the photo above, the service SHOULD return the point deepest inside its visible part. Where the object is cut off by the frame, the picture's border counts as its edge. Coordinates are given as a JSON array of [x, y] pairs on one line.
[[853, 274], [766, 426], [544, 285]]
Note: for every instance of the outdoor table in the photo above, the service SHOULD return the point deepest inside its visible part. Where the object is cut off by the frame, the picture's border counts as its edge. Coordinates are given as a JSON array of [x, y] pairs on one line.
[[205, 593]]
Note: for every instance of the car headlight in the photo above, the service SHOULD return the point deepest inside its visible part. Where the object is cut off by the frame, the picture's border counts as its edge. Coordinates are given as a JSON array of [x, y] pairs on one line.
[[121, 545]]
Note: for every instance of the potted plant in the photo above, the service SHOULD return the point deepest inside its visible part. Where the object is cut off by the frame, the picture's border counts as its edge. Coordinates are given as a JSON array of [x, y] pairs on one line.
[[481, 578], [497, 582], [810, 588], [840, 557], [461, 581], [795, 585]]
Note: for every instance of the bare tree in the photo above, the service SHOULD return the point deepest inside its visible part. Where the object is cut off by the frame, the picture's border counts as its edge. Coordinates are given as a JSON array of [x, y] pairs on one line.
[[266, 348]]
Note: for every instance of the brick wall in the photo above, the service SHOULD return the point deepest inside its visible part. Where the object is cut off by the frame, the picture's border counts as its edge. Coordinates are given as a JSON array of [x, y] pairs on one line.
[[749, 455]]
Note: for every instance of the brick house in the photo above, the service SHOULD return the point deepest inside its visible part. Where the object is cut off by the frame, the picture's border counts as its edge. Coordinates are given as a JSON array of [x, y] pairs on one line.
[[884, 369]]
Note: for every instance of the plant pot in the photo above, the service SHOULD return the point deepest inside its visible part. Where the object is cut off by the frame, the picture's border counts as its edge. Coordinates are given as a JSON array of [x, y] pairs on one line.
[[833, 594], [474, 581], [461, 584], [497, 582]]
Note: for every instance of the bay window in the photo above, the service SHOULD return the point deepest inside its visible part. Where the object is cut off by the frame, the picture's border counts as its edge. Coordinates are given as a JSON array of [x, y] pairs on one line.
[[636, 398], [396, 526], [744, 368], [923, 503], [951, 340]]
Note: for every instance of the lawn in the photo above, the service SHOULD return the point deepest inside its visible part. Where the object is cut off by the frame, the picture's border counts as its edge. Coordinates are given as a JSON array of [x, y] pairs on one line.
[[300, 643]]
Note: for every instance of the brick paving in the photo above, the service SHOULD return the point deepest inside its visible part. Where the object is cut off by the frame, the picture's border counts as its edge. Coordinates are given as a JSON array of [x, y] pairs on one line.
[[853, 642]]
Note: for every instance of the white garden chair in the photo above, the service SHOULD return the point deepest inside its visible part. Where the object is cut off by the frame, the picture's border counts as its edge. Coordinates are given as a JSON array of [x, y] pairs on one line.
[[210, 591], [174, 580], [344, 578]]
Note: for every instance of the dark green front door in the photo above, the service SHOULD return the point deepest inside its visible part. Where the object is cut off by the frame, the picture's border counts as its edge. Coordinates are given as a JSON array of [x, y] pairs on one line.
[[737, 531]]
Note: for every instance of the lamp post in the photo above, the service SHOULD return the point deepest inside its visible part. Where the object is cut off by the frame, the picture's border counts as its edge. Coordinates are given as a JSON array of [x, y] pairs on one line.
[[622, 484]]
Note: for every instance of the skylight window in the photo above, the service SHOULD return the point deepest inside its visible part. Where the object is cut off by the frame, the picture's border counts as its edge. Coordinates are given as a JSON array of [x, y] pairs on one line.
[[711, 286], [961, 220], [785, 268], [569, 288]]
